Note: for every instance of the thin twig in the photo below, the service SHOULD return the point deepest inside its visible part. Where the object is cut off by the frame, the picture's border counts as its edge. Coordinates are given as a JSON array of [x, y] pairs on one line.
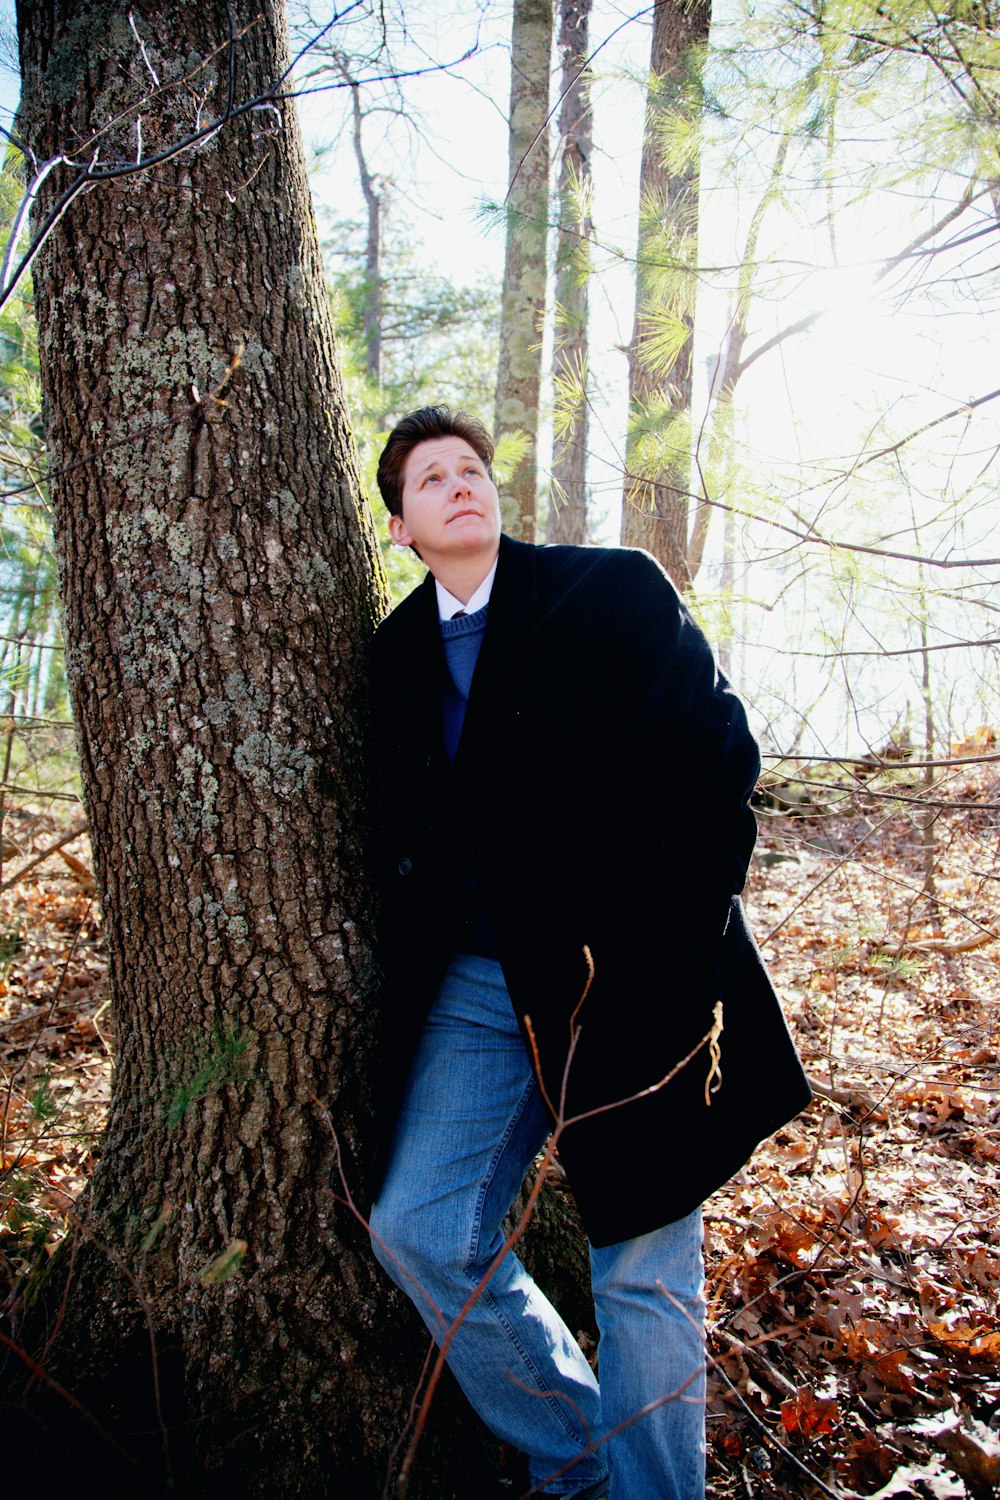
[[37, 859]]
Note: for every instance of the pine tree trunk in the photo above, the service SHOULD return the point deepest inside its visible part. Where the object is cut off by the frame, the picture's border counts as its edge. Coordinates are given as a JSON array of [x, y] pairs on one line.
[[217, 1314], [372, 323], [523, 306], [567, 519], [655, 504]]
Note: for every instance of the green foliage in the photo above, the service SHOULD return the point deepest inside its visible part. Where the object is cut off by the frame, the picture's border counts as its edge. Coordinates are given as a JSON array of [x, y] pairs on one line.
[[678, 132], [660, 440], [32, 674], [10, 946], [569, 394], [576, 229], [224, 1064], [511, 449], [891, 62], [849, 168], [20, 387], [42, 1102], [225, 1264], [20, 1216], [665, 335], [902, 966], [155, 1230], [439, 340]]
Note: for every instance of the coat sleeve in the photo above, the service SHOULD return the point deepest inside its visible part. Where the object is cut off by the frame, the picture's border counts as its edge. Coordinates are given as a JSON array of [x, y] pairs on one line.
[[694, 740]]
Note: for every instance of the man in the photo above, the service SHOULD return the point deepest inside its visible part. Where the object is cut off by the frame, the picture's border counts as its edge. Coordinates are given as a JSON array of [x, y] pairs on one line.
[[563, 780]]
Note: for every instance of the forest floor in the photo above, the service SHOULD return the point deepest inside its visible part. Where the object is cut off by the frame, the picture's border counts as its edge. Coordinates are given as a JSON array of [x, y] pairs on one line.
[[854, 1266]]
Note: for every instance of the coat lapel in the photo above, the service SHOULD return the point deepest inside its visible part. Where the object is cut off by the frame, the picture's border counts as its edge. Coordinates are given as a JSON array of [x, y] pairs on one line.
[[419, 667], [499, 671]]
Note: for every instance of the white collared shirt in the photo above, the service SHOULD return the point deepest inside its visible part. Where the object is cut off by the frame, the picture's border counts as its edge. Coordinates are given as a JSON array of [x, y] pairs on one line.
[[449, 606]]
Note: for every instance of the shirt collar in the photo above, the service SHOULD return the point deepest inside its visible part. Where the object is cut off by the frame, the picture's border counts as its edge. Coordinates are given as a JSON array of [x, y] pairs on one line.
[[449, 606]]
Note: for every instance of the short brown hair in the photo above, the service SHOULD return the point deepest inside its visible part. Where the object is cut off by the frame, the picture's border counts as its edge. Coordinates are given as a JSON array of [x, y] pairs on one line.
[[417, 427]]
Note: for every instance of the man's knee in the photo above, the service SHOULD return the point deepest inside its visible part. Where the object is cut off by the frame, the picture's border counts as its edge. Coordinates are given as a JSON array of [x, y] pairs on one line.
[[382, 1232], [408, 1237]]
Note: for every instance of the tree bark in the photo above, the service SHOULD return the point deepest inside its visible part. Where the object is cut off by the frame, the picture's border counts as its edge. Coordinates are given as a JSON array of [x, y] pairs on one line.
[[655, 505], [567, 519], [523, 308], [216, 1319]]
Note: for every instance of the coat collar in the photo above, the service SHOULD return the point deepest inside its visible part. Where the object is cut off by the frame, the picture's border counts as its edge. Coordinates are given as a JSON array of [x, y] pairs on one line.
[[419, 664], [515, 586], [512, 595]]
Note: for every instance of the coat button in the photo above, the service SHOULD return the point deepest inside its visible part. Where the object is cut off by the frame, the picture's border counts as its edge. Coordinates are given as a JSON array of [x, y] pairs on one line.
[[405, 866]]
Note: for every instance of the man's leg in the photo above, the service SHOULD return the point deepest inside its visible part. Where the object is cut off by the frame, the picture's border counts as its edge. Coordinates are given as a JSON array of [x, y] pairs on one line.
[[469, 1125], [653, 1346]]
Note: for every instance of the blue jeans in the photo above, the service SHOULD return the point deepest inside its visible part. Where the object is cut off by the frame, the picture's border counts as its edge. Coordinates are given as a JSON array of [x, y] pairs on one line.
[[470, 1123]]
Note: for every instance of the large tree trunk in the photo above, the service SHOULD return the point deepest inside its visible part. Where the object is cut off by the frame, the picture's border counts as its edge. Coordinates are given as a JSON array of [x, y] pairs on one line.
[[523, 307], [655, 501], [567, 520], [221, 580]]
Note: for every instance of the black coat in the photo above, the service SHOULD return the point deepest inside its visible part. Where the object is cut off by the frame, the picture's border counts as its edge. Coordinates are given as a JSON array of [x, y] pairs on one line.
[[600, 797]]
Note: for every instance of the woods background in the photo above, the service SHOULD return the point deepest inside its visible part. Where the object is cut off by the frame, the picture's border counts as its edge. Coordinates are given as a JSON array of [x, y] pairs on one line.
[[726, 284]]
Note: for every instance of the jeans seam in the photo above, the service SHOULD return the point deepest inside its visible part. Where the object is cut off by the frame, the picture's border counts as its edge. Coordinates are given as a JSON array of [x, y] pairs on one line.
[[552, 1401], [551, 1398], [488, 1176]]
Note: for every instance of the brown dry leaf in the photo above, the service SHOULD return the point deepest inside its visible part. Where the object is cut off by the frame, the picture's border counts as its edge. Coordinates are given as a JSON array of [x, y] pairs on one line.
[[982, 1341], [785, 1238], [930, 1478], [973, 1451], [793, 1151], [973, 1058], [987, 1347], [871, 1343], [976, 1458], [825, 983], [983, 1146], [882, 1229], [842, 1242], [809, 1414], [982, 1267], [869, 1459], [979, 742], [81, 874]]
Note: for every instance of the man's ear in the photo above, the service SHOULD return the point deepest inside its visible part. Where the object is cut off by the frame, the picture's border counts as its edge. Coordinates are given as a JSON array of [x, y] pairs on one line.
[[398, 531]]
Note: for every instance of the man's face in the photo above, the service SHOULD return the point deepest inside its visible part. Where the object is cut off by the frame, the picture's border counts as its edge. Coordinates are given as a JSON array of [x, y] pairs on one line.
[[450, 507]]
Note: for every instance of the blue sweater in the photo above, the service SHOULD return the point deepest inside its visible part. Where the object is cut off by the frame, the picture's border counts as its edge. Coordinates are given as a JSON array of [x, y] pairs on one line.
[[462, 637]]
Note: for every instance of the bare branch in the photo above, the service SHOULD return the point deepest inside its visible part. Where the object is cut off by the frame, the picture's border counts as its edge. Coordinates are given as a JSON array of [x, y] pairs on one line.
[[67, 838]]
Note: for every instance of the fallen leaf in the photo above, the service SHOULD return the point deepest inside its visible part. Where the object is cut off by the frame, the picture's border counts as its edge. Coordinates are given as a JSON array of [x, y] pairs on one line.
[[809, 1414]]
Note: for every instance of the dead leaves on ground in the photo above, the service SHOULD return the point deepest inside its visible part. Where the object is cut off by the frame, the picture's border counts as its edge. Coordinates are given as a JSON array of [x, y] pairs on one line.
[[857, 1261], [54, 1058], [853, 1271]]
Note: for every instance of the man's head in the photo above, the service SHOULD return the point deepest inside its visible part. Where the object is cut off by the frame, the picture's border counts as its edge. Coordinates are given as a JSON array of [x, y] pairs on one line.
[[435, 478], [418, 427]]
